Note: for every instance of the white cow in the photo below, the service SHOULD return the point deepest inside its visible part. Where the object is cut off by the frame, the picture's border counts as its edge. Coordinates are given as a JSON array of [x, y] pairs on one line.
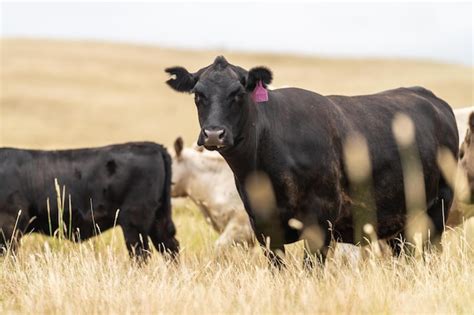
[[462, 117], [461, 211], [206, 179]]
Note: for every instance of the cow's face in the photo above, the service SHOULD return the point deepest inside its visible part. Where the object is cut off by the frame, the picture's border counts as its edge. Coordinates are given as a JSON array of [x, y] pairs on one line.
[[466, 155], [221, 94]]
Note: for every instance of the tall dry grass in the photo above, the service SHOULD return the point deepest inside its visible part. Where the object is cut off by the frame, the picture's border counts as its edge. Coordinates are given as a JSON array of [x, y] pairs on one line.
[[97, 277]]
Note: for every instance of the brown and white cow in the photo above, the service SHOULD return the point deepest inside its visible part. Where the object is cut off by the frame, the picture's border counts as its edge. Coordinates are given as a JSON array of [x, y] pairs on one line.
[[207, 180]]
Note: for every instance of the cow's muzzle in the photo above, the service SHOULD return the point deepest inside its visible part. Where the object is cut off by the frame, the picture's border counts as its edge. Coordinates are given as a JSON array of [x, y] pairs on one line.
[[213, 138]]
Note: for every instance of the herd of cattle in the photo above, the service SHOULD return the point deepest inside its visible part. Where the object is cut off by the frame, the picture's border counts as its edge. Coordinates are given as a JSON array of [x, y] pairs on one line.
[[279, 172]]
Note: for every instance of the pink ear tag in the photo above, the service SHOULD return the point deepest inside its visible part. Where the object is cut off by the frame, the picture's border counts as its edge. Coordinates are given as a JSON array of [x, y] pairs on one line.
[[260, 94]]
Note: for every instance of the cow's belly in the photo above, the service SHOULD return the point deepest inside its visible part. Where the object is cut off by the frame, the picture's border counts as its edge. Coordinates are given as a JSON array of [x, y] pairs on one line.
[[387, 228]]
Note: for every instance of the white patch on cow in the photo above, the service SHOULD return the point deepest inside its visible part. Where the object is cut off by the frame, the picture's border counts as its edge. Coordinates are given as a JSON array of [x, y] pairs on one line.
[[205, 178], [462, 118]]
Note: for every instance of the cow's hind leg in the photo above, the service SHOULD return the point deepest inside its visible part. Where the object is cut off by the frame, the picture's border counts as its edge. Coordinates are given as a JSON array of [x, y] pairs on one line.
[[275, 256], [137, 242], [438, 213], [162, 235]]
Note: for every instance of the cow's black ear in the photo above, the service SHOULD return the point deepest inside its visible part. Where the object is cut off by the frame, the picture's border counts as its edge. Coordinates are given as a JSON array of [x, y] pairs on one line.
[[258, 74], [178, 146], [471, 121], [182, 80]]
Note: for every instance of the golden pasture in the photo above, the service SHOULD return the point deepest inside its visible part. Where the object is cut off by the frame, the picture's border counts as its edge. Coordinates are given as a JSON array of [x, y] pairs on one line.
[[60, 94]]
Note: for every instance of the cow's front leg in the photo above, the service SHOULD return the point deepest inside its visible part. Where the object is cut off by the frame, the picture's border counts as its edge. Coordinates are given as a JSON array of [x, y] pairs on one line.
[[9, 244], [13, 224], [274, 252], [315, 258], [273, 246], [316, 246], [275, 256]]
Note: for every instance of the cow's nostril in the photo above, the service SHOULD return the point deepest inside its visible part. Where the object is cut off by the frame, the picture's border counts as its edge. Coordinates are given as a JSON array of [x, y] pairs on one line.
[[213, 137]]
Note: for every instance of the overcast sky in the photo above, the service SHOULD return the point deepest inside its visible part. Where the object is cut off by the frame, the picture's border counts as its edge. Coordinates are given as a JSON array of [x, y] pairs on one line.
[[439, 31]]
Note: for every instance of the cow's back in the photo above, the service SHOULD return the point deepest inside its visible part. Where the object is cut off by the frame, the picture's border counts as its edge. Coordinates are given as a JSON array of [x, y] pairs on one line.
[[373, 115], [301, 123], [303, 135]]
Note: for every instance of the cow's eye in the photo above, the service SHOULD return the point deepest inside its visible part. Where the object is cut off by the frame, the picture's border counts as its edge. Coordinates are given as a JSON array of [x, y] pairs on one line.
[[236, 95], [199, 97]]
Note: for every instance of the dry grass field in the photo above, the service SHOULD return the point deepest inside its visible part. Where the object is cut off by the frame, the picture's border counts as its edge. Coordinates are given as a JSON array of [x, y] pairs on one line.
[[64, 94]]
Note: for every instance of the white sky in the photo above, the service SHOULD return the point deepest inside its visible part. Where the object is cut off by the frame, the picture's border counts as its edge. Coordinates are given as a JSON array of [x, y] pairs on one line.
[[439, 31]]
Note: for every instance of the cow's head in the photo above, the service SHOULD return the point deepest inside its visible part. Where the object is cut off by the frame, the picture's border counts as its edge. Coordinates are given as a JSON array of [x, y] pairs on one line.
[[222, 95], [466, 154]]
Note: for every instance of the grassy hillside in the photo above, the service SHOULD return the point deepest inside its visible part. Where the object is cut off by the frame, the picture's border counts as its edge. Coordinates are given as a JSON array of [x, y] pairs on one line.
[[61, 94]]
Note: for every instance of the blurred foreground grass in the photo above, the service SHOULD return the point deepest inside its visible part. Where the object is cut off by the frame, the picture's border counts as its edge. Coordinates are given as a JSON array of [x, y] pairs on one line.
[[52, 276]]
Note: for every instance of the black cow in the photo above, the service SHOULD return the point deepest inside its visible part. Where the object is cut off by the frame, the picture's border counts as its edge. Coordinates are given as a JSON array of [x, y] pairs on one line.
[[133, 177], [297, 138]]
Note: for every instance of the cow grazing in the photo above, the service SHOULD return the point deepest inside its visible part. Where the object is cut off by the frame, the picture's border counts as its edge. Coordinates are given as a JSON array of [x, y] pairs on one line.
[[293, 141], [134, 178], [207, 180]]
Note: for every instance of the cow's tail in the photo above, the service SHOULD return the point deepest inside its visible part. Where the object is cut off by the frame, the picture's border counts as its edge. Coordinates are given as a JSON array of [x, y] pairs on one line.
[[166, 193], [163, 232]]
